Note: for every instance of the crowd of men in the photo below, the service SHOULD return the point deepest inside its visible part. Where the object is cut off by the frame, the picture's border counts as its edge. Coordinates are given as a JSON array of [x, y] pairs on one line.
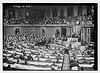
[[79, 58], [50, 20], [32, 50]]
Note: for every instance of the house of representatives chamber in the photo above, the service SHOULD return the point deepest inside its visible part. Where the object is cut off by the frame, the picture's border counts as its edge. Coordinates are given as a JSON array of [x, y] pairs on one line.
[[27, 24]]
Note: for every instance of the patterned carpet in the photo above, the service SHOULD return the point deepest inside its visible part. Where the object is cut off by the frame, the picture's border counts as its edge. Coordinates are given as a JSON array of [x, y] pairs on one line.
[[66, 62]]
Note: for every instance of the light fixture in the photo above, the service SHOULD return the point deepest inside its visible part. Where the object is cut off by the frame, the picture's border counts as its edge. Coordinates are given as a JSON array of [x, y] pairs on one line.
[[77, 22]]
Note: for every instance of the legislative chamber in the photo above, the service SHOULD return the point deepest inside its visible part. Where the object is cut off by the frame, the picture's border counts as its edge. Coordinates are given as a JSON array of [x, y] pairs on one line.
[[48, 37]]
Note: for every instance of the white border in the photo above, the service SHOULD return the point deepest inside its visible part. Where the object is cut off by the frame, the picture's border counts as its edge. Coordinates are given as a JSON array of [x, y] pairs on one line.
[[48, 1]]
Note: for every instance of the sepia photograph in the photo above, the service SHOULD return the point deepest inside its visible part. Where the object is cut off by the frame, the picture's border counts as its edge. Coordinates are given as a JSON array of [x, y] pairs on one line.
[[50, 36]]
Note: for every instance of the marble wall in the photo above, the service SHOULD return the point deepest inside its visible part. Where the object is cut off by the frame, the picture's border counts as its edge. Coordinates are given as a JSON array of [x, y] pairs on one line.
[[49, 31]]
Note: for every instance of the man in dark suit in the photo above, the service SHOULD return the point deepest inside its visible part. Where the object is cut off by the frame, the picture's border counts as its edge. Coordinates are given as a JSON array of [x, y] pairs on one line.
[[30, 57], [21, 57]]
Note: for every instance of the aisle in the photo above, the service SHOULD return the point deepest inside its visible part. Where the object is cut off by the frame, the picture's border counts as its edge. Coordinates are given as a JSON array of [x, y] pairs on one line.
[[66, 62]]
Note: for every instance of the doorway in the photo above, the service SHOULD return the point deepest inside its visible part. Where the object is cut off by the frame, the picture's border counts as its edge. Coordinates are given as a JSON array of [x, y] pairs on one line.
[[63, 32], [17, 31]]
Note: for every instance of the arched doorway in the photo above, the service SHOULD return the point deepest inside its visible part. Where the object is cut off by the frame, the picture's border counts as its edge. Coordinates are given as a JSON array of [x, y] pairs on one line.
[[43, 32], [57, 32], [17, 31], [63, 32]]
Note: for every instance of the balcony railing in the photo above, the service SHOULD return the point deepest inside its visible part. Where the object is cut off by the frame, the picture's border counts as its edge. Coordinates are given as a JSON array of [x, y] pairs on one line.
[[69, 24]]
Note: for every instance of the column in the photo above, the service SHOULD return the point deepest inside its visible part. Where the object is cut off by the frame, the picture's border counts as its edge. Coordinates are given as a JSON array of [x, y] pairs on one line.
[[66, 62], [6, 13], [71, 31], [84, 10], [83, 34], [45, 13], [88, 35], [16, 13], [58, 12], [68, 31], [51, 13], [23, 14], [65, 11], [75, 10]]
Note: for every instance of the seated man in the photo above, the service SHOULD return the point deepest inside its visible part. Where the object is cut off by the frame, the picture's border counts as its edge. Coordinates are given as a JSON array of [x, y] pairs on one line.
[[58, 57], [17, 62], [5, 51], [13, 55], [11, 43], [72, 61], [48, 59], [85, 62], [66, 51], [25, 62], [55, 67], [21, 57], [9, 67], [30, 57], [5, 60], [81, 68], [25, 57], [74, 66]]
